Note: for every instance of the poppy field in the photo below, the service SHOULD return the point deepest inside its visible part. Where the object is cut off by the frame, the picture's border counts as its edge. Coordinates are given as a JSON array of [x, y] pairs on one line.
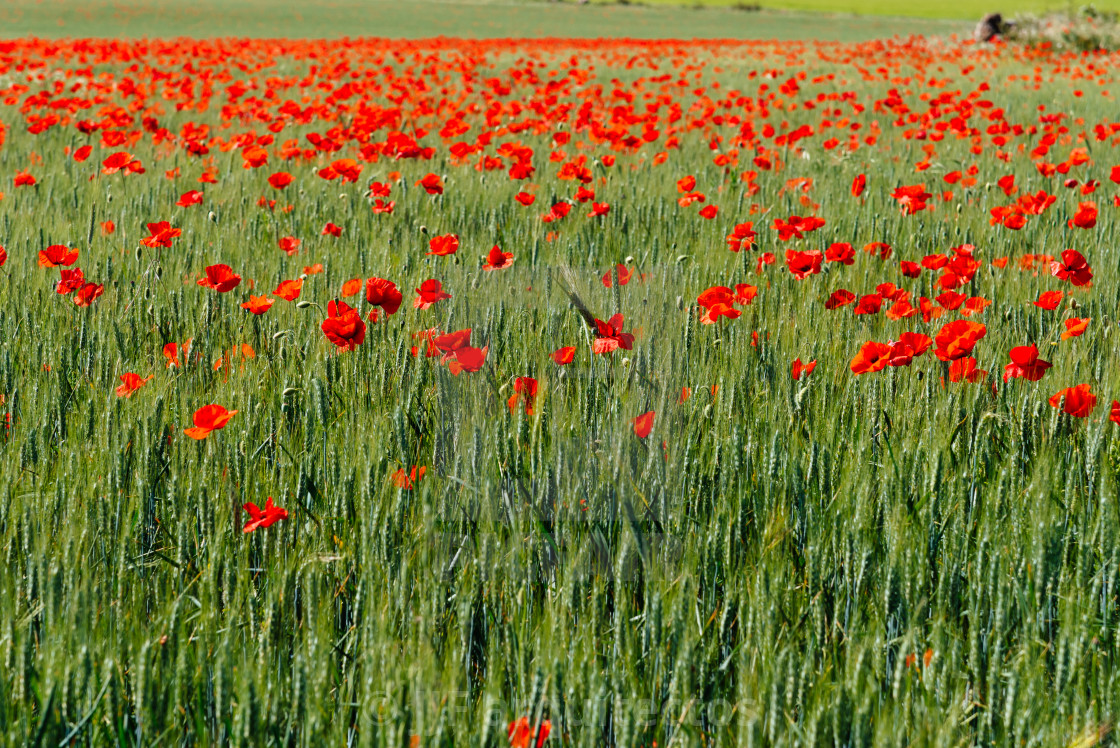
[[558, 392]]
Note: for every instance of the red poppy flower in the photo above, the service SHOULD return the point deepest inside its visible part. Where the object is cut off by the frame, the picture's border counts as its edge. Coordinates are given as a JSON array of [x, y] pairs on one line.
[[118, 161], [909, 346], [429, 293], [209, 418], [258, 304], [161, 235], [1073, 268], [194, 197], [745, 294], [911, 198], [525, 198], [715, 295], [872, 357], [331, 230], [686, 184], [131, 383], [798, 370], [525, 390], [624, 275], [951, 300], [643, 424], [497, 259], [81, 154], [1049, 300], [280, 180], [1085, 217], [451, 342], [1075, 327], [288, 244], [964, 369], [313, 269], [85, 295], [171, 353], [709, 212], [804, 264], [1078, 401], [69, 280], [289, 290], [384, 293], [910, 269], [563, 356], [409, 480], [975, 305], [1114, 413], [598, 210], [840, 297], [869, 304], [743, 236], [841, 252], [432, 184], [1026, 364], [859, 184], [56, 255], [24, 179], [441, 246], [467, 359], [957, 339], [266, 517], [221, 278], [343, 325], [520, 733], [381, 207], [610, 336]]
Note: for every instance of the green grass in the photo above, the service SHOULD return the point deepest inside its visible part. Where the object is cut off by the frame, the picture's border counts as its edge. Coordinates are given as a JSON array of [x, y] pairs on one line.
[[423, 19], [770, 566]]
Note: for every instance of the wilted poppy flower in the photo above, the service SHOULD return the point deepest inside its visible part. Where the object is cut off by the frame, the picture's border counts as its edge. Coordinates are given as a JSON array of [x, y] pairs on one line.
[[520, 733], [1072, 267], [1075, 326], [432, 184], [563, 356], [799, 370], [804, 264], [85, 295], [280, 180], [160, 234], [288, 244], [171, 353], [524, 389], [209, 418], [429, 293], [1025, 363], [383, 293], [56, 255], [497, 259], [221, 278], [343, 326], [289, 290], [258, 304], [1049, 300], [1078, 401], [610, 337], [643, 424], [265, 517], [872, 357], [957, 339], [408, 480], [69, 280], [441, 246], [131, 383]]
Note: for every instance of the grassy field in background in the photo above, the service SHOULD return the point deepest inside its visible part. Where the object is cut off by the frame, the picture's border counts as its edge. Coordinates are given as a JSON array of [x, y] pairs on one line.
[[419, 19], [688, 540]]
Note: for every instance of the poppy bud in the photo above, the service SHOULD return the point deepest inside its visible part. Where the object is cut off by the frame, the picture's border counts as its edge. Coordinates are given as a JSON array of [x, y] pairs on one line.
[[289, 391], [681, 258], [423, 229], [303, 304], [159, 271], [625, 362], [278, 335], [303, 276], [629, 260], [138, 253], [212, 216], [108, 197], [342, 196], [680, 303]]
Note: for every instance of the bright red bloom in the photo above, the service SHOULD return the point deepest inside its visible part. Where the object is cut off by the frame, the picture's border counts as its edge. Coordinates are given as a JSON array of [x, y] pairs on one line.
[[520, 733], [121, 160], [599, 210], [910, 269], [194, 197], [1073, 268], [497, 259], [912, 198], [432, 184], [266, 517], [131, 383], [1114, 413], [161, 235], [350, 288], [525, 390], [841, 252], [840, 297], [209, 418], [85, 295], [525, 198], [448, 244], [1026, 364], [69, 280], [643, 424], [343, 326], [408, 480], [869, 304], [964, 369], [624, 275], [331, 230], [56, 255], [1075, 327], [429, 293], [957, 339], [804, 264], [872, 357], [258, 304], [280, 180], [563, 356], [1085, 217], [859, 184], [24, 179], [384, 293], [798, 370], [221, 278], [467, 359], [1078, 401], [743, 236], [289, 290], [610, 336], [81, 154], [451, 342], [709, 212], [1048, 300], [288, 244]]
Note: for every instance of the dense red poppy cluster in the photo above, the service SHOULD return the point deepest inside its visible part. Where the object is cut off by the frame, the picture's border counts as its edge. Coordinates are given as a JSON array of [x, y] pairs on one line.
[[553, 117]]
